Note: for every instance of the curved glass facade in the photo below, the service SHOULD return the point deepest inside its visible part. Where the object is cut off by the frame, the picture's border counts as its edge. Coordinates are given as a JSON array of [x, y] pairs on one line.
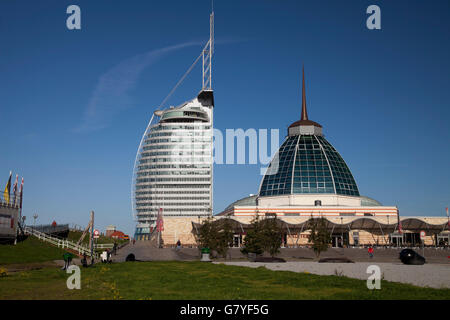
[[174, 166], [308, 164]]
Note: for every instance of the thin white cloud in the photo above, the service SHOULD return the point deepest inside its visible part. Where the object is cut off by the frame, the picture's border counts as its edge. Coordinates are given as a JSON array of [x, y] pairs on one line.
[[111, 95]]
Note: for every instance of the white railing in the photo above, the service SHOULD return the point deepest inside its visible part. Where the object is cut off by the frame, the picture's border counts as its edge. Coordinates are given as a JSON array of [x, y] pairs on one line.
[[76, 227], [104, 246], [60, 243]]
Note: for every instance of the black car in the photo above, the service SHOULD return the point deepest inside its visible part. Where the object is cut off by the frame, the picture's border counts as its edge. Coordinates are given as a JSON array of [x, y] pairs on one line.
[[409, 256]]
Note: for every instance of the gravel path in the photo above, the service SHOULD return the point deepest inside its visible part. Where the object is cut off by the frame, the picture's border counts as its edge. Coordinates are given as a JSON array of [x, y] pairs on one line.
[[428, 275]]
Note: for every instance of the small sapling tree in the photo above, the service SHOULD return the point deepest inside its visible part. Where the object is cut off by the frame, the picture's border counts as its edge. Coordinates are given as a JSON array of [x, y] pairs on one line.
[[319, 237]]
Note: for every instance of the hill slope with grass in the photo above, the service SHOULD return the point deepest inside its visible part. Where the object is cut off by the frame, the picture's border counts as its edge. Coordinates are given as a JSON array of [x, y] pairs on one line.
[[29, 251], [33, 250]]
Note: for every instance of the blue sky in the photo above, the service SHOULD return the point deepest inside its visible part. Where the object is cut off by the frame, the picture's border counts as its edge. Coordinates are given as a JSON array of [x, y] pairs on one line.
[[74, 104]]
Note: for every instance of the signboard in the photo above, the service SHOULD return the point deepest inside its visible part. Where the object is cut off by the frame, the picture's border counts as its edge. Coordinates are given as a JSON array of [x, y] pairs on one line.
[[422, 235], [96, 234]]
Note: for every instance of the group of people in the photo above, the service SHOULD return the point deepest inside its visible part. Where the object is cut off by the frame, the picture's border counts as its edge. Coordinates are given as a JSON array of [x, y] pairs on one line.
[[105, 258], [106, 255], [67, 256]]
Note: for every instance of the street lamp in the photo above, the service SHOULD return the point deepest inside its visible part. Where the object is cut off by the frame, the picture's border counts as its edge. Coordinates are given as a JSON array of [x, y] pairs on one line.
[[35, 216]]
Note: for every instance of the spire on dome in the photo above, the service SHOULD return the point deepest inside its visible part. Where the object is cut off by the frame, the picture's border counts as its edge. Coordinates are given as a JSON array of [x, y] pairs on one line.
[[304, 111], [304, 126]]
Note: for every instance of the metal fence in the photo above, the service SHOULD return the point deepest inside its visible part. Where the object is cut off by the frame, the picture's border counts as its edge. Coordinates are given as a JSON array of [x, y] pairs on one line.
[[48, 228], [60, 243]]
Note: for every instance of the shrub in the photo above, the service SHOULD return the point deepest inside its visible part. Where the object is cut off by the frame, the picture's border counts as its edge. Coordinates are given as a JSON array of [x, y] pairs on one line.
[[3, 272]]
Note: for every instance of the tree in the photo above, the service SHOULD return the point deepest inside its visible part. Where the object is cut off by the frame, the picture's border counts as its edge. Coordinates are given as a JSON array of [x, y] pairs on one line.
[[263, 236], [271, 236], [224, 236], [215, 235], [319, 237], [253, 239]]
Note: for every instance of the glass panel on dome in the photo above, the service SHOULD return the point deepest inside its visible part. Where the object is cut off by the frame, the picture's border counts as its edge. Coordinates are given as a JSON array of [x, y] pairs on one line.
[[345, 184], [315, 164], [283, 177]]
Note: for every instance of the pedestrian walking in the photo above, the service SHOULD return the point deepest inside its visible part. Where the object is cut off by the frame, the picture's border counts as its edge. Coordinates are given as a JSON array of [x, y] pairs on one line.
[[67, 256], [370, 252], [84, 261]]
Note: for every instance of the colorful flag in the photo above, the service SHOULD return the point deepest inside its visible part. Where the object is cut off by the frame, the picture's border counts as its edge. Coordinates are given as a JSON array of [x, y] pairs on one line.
[[160, 221], [446, 209], [15, 189], [7, 191], [21, 193]]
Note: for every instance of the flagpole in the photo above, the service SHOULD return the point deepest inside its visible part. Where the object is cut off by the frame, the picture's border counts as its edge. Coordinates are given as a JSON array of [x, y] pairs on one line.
[[448, 219], [20, 199]]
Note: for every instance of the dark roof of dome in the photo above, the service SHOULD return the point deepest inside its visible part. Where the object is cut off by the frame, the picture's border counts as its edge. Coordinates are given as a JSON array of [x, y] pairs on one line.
[[308, 164], [305, 123]]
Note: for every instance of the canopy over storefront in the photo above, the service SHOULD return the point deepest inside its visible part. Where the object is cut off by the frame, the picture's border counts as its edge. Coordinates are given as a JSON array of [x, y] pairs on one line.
[[368, 224]]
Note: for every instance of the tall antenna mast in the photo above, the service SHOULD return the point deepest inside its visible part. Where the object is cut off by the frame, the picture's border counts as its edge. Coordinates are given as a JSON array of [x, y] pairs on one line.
[[207, 56]]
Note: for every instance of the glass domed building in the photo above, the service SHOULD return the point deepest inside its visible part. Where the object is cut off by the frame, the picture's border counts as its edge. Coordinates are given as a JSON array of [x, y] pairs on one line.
[[307, 163], [306, 179], [308, 176]]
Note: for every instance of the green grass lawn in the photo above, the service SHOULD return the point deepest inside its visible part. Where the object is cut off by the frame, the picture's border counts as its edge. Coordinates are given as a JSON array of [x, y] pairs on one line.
[[199, 280], [29, 251]]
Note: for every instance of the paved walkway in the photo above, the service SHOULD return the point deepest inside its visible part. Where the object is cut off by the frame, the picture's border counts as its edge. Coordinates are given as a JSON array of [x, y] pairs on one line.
[[427, 275], [432, 255], [145, 251]]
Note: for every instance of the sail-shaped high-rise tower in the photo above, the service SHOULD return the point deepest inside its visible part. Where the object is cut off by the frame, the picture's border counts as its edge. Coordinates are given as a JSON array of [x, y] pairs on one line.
[[173, 171]]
